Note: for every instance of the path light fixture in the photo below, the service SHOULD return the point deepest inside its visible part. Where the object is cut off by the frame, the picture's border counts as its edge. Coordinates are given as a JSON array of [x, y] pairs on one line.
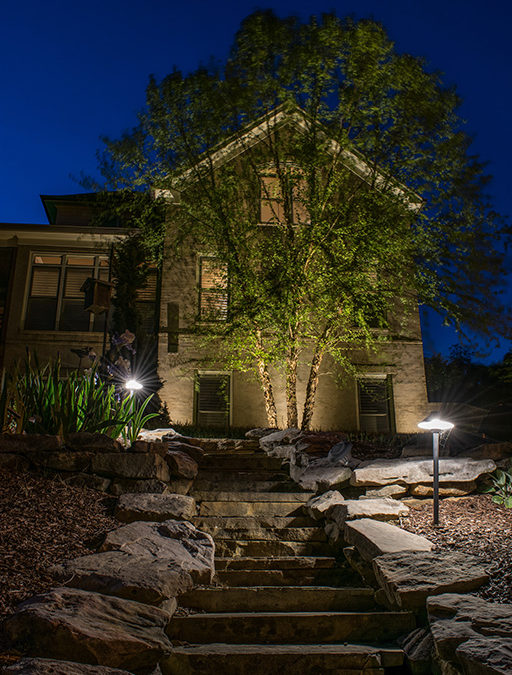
[[436, 425], [133, 385]]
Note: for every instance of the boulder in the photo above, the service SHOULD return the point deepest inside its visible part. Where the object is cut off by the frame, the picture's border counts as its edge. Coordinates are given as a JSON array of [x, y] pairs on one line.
[[454, 619], [360, 565], [392, 491], [206, 444], [320, 442], [445, 490], [121, 486], [418, 649], [373, 538], [23, 444], [193, 451], [130, 465], [88, 480], [379, 509], [66, 624], [89, 442], [259, 432], [320, 475], [52, 667], [177, 542], [286, 452], [154, 507], [180, 486], [409, 577], [411, 471], [283, 437], [158, 434], [181, 464], [483, 656], [63, 461], [154, 447], [133, 577], [494, 451], [12, 462], [321, 506]]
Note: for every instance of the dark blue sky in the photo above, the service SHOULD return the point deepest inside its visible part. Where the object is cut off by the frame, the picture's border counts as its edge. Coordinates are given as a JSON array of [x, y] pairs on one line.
[[72, 72]]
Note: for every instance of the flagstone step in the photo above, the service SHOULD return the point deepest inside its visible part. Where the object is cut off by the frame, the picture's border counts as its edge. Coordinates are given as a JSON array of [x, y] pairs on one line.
[[263, 659], [282, 484], [249, 508], [249, 522], [244, 462], [279, 599], [241, 477], [259, 548], [236, 496], [283, 563], [287, 577], [291, 627], [255, 533]]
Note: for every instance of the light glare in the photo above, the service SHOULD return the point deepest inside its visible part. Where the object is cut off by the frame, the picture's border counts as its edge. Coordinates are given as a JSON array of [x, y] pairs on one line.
[[133, 385]]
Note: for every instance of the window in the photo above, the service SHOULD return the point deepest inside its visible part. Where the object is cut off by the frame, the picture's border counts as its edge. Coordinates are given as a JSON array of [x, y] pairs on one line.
[[55, 301], [272, 201], [212, 400], [213, 289], [375, 398], [146, 301]]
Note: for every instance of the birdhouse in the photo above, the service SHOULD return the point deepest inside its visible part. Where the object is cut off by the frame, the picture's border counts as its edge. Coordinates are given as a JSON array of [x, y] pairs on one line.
[[97, 295]]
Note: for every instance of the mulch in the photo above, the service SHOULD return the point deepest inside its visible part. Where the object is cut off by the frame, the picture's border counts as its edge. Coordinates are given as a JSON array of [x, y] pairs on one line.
[[44, 521], [474, 525]]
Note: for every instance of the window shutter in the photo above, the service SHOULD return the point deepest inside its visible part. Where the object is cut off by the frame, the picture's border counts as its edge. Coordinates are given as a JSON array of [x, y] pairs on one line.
[[75, 280], [45, 282], [212, 400]]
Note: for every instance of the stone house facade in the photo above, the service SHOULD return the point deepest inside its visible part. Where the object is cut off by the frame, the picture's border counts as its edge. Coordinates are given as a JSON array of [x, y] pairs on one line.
[[44, 266]]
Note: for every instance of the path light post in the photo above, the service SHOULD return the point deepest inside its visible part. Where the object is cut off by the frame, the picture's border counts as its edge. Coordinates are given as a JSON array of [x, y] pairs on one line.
[[132, 385], [436, 425]]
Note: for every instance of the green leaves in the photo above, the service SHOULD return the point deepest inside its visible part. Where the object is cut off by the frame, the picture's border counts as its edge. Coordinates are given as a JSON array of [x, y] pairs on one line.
[[501, 488]]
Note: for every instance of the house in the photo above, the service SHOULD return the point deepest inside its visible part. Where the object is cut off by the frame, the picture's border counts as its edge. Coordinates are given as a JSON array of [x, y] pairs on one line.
[[41, 307]]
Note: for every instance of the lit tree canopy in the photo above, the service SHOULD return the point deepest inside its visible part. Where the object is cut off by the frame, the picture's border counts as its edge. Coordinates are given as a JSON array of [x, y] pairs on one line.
[[353, 157]]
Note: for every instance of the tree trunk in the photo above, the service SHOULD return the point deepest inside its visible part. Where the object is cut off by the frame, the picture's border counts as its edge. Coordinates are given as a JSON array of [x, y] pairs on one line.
[[309, 403], [292, 418], [268, 393]]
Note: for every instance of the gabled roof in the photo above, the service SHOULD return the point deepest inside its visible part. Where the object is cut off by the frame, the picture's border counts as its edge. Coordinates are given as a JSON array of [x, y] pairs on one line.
[[283, 115]]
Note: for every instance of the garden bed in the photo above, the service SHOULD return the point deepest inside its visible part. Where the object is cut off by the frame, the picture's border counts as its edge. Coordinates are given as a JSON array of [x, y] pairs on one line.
[[474, 525]]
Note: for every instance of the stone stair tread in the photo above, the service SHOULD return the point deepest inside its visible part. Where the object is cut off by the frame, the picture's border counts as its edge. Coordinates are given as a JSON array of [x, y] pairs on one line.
[[279, 485], [265, 563], [353, 656], [248, 522], [233, 496], [292, 534]]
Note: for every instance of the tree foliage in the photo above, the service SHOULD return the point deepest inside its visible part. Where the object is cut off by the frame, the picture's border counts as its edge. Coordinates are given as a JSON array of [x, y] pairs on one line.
[[360, 156]]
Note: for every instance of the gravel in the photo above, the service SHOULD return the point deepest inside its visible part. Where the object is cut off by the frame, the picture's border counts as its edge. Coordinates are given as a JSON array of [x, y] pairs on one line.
[[474, 525]]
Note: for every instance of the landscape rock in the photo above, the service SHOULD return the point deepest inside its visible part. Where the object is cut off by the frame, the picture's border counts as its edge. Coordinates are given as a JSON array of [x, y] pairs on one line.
[[360, 565], [52, 667], [483, 656], [154, 507], [96, 443], [286, 452], [283, 437], [121, 486], [321, 506], [494, 451], [63, 461], [455, 619], [411, 471], [379, 509], [259, 432], [392, 491], [341, 455], [333, 532], [181, 464], [177, 542], [409, 577], [155, 447], [71, 624], [320, 442], [12, 462], [133, 577], [320, 475], [23, 444], [373, 538], [445, 490], [88, 480], [193, 451], [158, 434], [130, 465], [418, 648], [180, 486]]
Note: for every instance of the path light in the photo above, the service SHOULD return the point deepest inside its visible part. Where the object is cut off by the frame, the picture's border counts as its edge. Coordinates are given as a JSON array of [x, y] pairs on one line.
[[436, 425], [133, 385]]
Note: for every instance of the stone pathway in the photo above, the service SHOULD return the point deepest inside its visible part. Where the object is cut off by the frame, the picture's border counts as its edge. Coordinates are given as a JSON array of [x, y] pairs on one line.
[[281, 602]]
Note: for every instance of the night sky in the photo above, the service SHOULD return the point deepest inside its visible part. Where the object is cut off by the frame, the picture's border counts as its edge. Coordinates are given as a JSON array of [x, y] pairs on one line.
[[72, 72]]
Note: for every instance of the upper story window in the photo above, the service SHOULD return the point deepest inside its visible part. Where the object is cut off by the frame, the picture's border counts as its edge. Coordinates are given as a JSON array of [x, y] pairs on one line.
[[55, 301], [272, 202], [213, 289]]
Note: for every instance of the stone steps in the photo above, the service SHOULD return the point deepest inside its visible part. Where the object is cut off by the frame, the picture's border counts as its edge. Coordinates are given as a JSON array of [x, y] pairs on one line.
[[255, 533], [279, 599], [291, 627], [263, 659], [281, 484], [283, 563], [251, 497], [293, 577], [260, 547], [245, 462], [211, 476], [250, 508], [249, 522]]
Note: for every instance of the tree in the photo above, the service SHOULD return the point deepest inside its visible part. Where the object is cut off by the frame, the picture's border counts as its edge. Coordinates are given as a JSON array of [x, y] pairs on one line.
[[360, 158]]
